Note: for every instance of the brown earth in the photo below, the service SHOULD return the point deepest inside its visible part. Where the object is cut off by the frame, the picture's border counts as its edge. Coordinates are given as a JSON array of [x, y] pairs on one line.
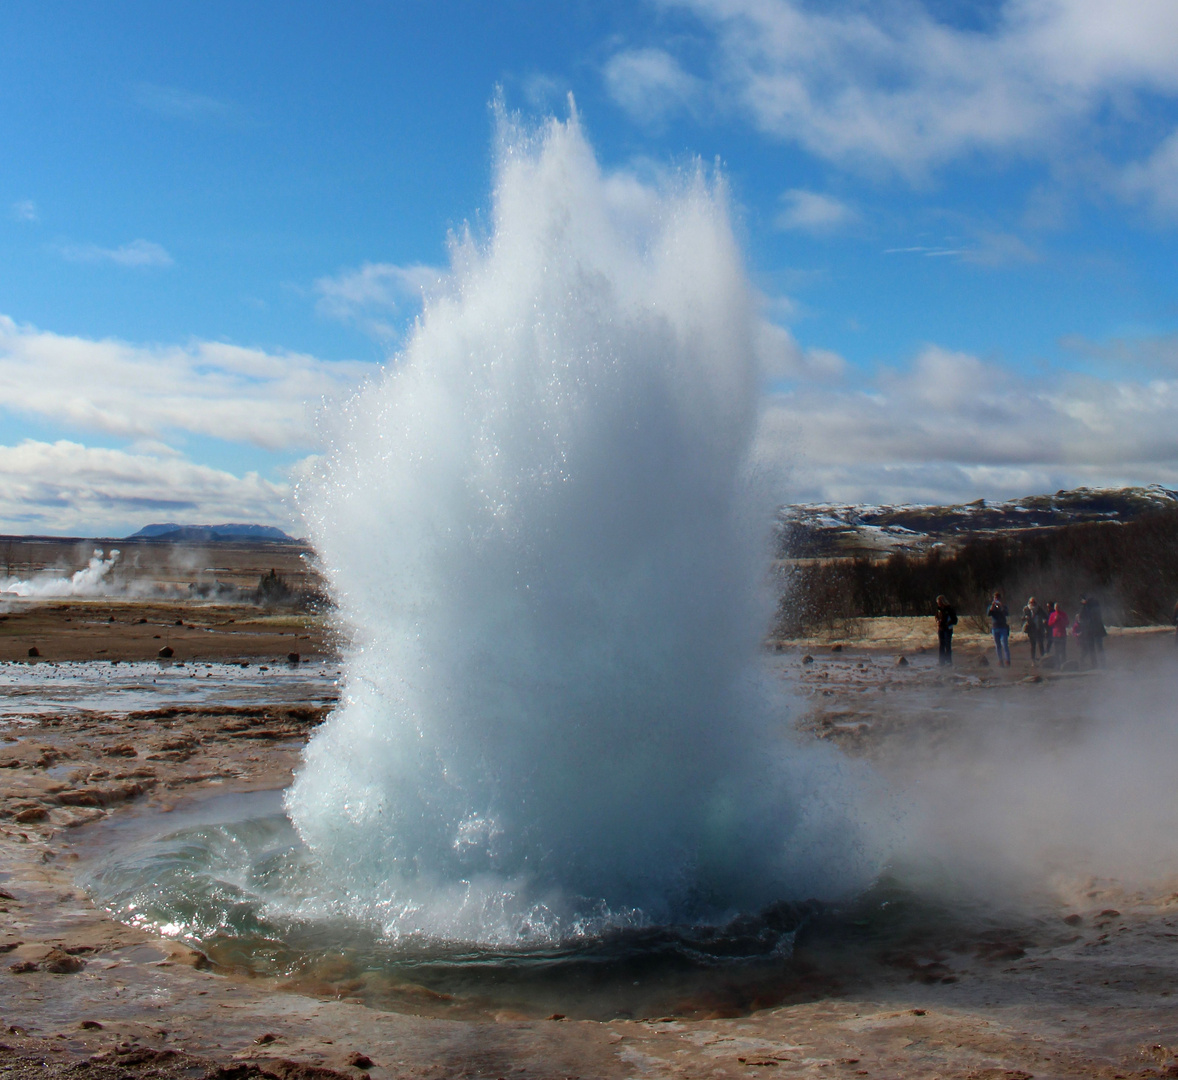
[[137, 630], [83, 996]]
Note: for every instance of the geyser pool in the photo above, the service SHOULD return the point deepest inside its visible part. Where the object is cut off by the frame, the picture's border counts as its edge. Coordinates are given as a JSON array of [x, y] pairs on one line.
[[228, 875], [547, 537]]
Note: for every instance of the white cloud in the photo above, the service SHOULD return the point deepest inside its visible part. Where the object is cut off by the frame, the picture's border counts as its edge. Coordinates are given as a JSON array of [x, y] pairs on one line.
[[811, 211], [66, 488], [781, 358], [985, 248], [1154, 181], [952, 425], [25, 210], [648, 83], [179, 104], [371, 295], [889, 84], [136, 253], [146, 392]]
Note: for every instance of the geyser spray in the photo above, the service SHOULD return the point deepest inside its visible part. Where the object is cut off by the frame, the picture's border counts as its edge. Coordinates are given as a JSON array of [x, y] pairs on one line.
[[544, 535]]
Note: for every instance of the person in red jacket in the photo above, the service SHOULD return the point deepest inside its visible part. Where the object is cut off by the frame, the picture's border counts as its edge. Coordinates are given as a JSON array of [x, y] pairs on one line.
[[1057, 624]]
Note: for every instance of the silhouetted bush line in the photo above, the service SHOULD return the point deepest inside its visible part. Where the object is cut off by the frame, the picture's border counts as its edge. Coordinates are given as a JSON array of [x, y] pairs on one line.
[[1132, 568]]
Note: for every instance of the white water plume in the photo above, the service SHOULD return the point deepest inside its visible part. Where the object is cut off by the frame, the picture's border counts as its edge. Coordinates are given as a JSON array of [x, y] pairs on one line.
[[549, 549], [92, 580]]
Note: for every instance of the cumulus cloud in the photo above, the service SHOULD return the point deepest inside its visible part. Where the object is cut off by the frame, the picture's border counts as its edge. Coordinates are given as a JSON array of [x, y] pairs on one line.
[[25, 210], [136, 253], [782, 359], [811, 211], [147, 392], [67, 488], [370, 296], [649, 83], [892, 85], [952, 425]]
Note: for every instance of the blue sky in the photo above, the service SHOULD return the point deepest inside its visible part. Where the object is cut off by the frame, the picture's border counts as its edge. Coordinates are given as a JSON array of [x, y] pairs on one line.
[[962, 217]]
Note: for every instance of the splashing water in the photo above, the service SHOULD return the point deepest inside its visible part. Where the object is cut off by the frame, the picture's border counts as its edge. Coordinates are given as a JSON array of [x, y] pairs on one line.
[[92, 580], [546, 539]]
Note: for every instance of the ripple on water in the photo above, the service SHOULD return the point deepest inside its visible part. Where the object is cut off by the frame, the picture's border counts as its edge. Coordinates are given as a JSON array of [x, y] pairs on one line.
[[233, 879]]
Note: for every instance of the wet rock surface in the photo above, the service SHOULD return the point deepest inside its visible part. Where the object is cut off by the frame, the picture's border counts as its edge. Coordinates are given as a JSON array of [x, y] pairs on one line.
[[81, 996]]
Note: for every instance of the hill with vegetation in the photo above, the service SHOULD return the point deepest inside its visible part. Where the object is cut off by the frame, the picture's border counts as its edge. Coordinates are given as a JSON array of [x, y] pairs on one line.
[[1121, 546]]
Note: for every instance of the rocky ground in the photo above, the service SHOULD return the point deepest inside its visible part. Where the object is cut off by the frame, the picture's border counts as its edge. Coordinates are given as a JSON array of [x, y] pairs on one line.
[[1084, 990]]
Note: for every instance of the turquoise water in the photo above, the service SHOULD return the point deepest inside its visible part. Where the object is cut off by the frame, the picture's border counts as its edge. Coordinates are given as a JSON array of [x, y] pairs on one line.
[[232, 879]]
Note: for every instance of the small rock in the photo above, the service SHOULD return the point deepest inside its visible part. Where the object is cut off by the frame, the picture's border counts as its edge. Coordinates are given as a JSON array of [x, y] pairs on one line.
[[360, 1061], [983, 661], [807, 659], [22, 967], [59, 962], [245, 663], [90, 1025], [557, 1016], [901, 661], [292, 658], [264, 1040], [141, 621], [836, 648], [166, 653], [178, 622], [34, 651], [1110, 913], [30, 814], [1073, 920]]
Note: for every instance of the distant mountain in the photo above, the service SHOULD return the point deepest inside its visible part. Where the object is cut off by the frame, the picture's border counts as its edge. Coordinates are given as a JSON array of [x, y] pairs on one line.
[[170, 532], [826, 530]]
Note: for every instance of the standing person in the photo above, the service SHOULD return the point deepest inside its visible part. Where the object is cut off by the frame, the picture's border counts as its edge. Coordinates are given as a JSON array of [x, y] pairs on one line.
[[1034, 626], [1058, 622], [1047, 639], [999, 615], [946, 618], [1092, 629]]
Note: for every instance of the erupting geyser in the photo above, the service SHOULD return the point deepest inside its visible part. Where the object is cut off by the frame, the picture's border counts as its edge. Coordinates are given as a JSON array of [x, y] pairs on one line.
[[545, 534]]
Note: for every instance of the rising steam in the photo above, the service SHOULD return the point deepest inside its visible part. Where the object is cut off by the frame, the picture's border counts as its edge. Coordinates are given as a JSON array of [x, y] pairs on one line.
[[92, 580]]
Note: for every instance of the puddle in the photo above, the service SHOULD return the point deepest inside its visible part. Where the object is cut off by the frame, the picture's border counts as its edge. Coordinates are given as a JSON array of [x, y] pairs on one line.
[[35, 691]]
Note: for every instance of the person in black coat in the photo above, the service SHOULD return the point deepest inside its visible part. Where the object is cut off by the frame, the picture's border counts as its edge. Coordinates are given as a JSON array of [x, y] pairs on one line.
[[946, 617], [1092, 632], [999, 615]]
